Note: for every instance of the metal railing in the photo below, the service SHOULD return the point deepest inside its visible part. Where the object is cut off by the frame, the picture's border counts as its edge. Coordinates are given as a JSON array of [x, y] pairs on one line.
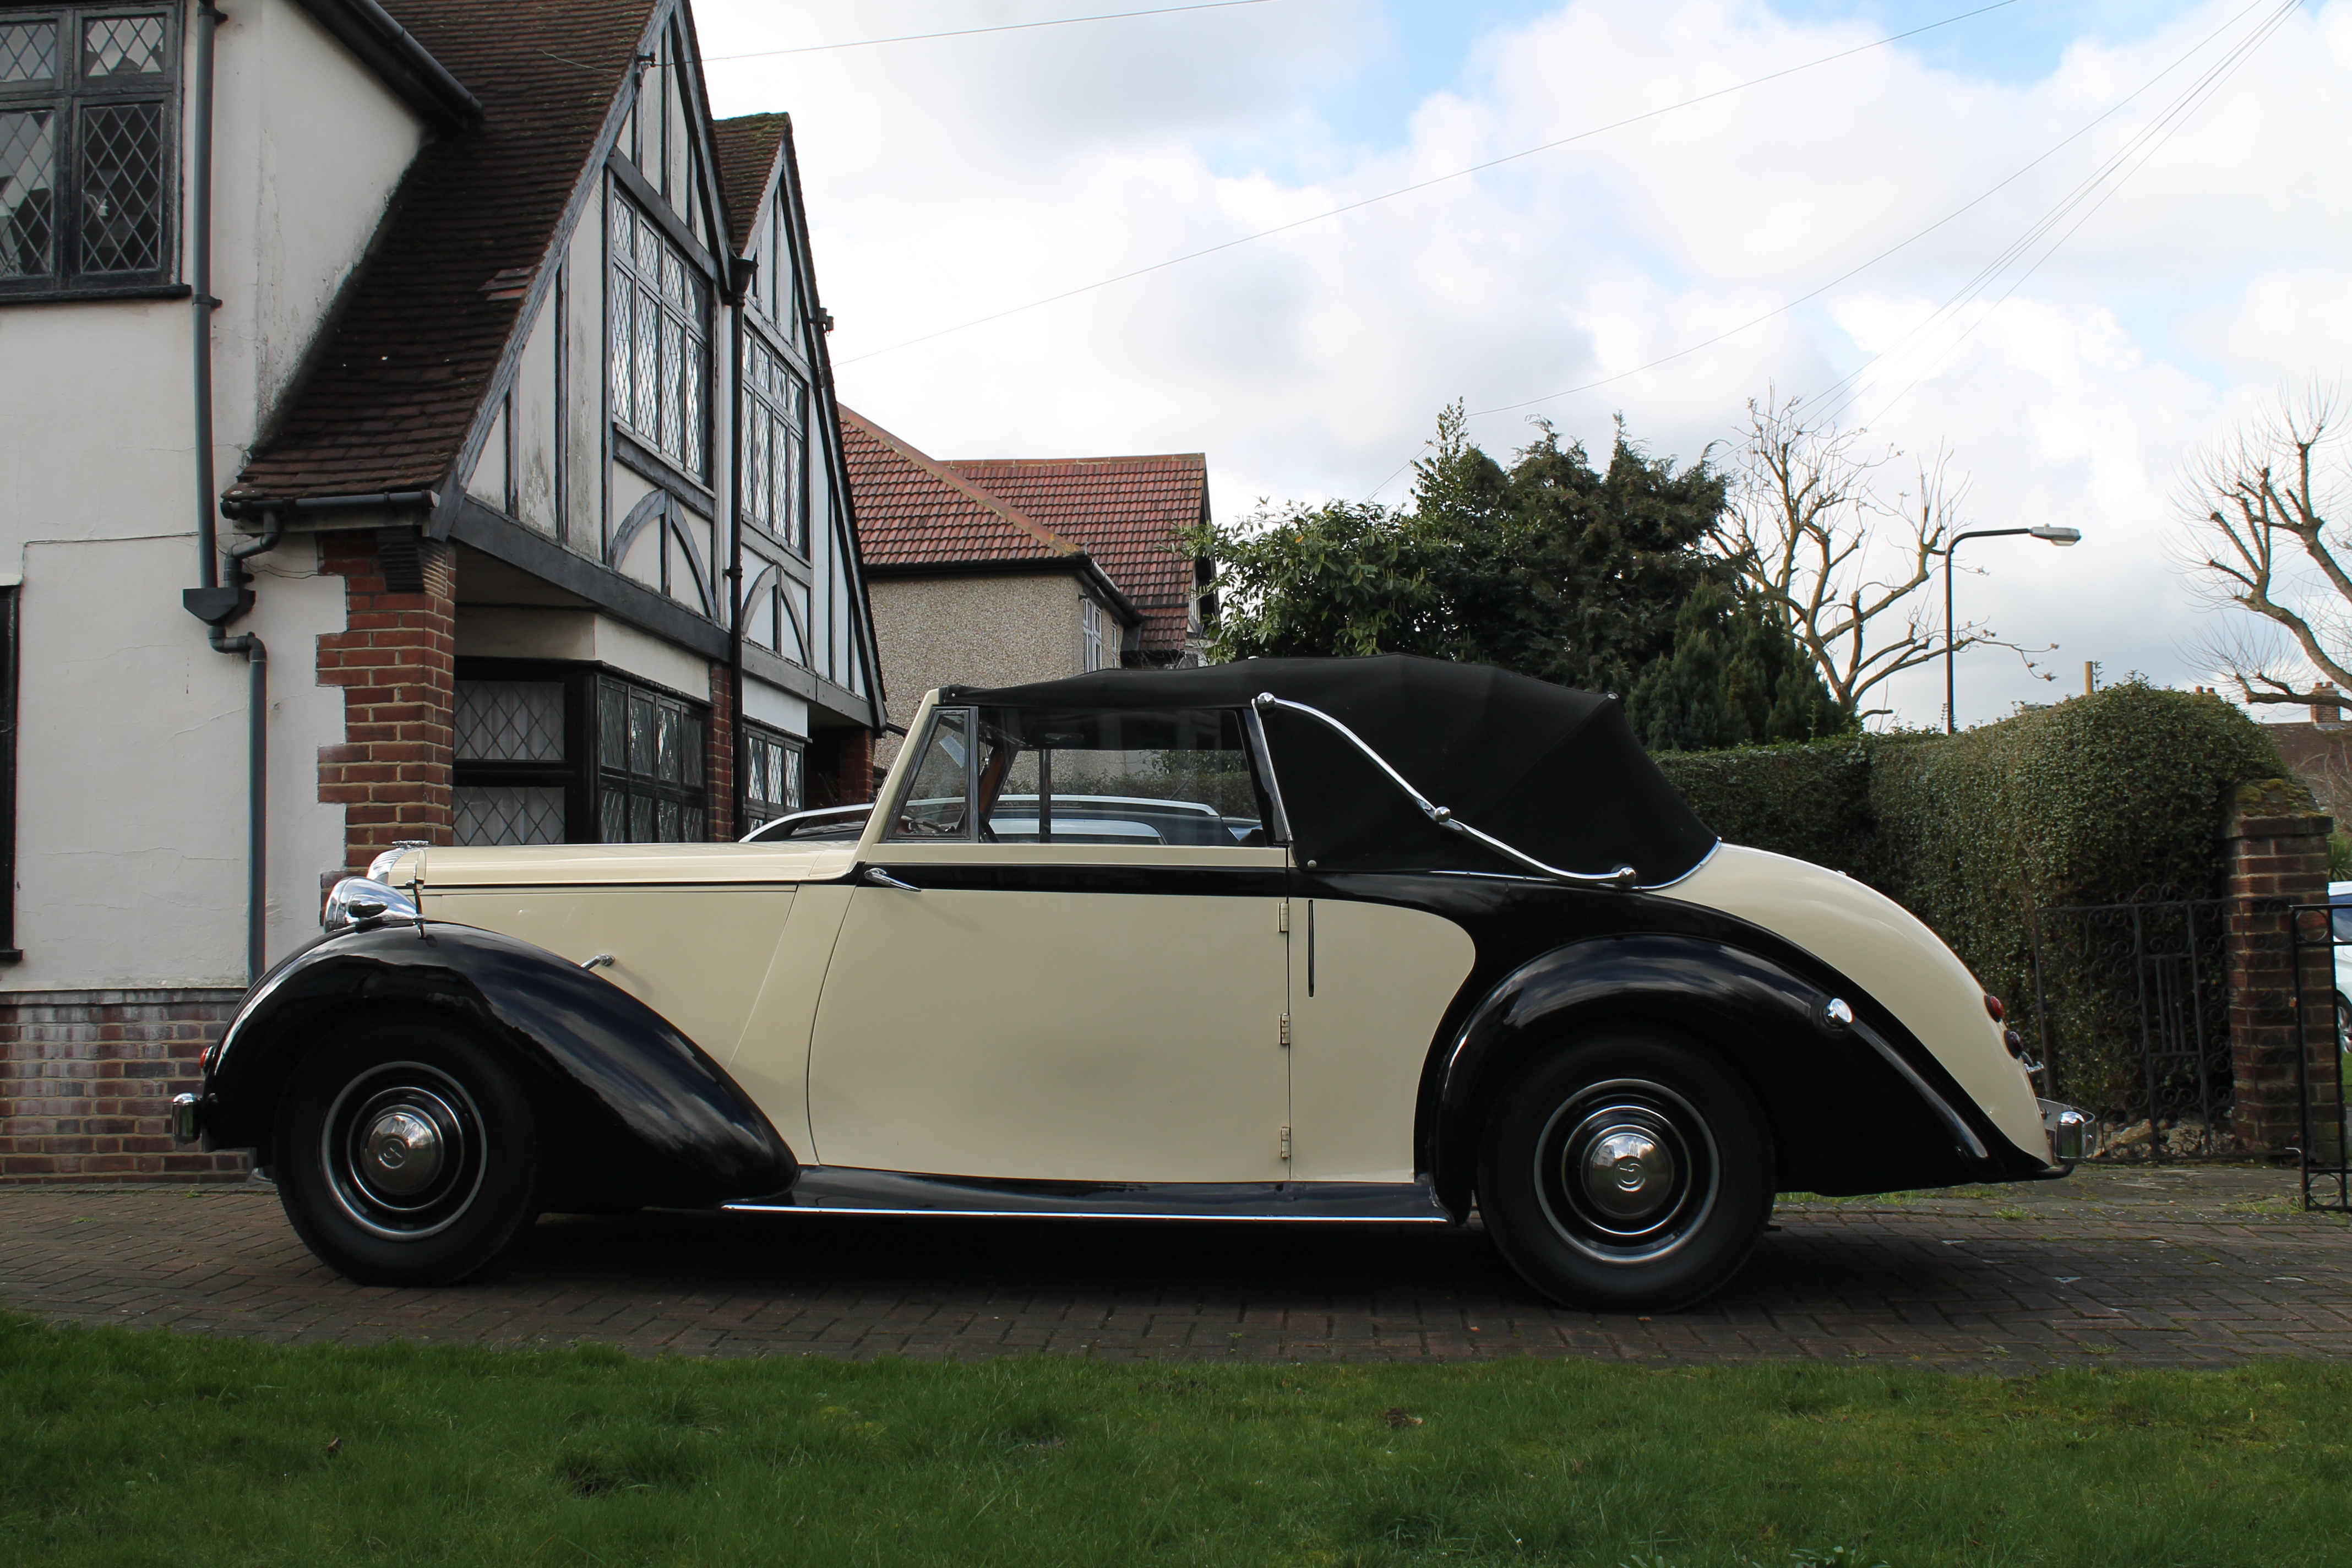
[[2321, 1065]]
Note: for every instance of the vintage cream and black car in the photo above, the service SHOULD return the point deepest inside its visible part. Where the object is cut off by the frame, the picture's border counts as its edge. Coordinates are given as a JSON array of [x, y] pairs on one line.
[[1374, 940]]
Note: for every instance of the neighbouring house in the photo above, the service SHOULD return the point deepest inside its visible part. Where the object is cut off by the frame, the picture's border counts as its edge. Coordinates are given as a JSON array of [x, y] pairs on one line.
[[994, 572], [2319, 752], [469, 384]]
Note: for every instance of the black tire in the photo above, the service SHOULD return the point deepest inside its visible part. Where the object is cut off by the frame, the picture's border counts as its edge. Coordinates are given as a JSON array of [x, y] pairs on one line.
[[1588, 1228], [406, 1152]]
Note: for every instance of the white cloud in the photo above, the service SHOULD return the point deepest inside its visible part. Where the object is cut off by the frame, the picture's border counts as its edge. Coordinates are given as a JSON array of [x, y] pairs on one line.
[[955, 179]]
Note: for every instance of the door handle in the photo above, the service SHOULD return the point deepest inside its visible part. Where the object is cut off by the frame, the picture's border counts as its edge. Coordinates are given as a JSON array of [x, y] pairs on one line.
[[881, 879]]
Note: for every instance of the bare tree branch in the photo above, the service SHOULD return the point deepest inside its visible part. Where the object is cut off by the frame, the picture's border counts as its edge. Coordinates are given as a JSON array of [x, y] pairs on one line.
[[2260, 505], [1810, 537]]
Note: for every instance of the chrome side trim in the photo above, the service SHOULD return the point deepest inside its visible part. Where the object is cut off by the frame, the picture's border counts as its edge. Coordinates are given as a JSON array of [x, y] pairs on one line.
[[1621, 878], [1943, 1107], [1087, 1213], [845, 1190]]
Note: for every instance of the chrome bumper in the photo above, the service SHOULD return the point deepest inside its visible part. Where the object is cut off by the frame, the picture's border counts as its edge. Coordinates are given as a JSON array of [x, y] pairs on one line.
[[2073, 1134], [186, 1121]]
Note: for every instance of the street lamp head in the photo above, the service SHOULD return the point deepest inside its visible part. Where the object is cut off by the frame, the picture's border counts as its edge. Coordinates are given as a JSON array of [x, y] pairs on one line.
[[2057, 535]]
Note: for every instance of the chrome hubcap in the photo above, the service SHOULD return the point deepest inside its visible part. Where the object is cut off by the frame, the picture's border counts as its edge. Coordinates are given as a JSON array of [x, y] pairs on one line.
[[1626, 1170], [1629, 1174], [403, 1150]]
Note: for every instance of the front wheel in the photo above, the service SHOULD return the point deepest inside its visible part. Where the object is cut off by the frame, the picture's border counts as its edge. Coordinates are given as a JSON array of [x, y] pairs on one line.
[[1629, 1170], [406, 1154]]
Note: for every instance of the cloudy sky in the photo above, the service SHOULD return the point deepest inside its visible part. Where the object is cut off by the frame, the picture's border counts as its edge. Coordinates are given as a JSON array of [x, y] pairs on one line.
[[2136, 230]]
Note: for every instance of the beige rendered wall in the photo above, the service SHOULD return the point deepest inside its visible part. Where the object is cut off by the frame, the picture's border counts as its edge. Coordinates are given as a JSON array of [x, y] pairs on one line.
[[971, 631]]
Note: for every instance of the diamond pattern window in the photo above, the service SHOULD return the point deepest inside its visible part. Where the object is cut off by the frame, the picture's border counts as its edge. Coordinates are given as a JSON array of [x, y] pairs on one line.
[[660, 309], [88, 128], [774, 491], [552, 752], [774, 786]]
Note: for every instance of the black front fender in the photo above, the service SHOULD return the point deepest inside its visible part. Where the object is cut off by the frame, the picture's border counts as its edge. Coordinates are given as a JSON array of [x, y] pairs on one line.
[[1860, 1109], [639, 1113]]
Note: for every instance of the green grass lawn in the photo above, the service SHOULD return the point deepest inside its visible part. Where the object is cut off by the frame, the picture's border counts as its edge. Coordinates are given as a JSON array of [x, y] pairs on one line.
[[118, 1447]]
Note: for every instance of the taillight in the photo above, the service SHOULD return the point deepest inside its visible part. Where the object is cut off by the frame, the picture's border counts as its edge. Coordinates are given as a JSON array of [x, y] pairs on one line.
[[1993, 1009]]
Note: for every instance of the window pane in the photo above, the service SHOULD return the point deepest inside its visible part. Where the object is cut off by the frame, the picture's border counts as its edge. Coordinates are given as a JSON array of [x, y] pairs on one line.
[[670, 822], [791, 797], [696, 372], [695, 828], [935, 801], [641, 820], [27, 180], [692, 739], [612, 817], [123, 45], [759, 492], [788, 492], [624, 376], [1132, 778], [122, 187], [669, 762], [29, 51], [611, 725], [508, 813], [510, 721], [648, 363], [756, 786], [641, 735]]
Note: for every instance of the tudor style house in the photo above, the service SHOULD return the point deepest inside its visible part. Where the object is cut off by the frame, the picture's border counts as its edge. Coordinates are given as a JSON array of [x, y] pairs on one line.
[[996, 572], [417, 426]]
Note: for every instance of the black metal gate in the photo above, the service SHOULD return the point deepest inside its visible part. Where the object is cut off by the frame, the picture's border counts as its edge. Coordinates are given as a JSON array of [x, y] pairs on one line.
[[2323, 1065], [2131, 1014]]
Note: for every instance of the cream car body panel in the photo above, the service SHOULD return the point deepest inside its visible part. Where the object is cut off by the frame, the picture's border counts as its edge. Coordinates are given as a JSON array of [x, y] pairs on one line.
[[1361, 1028], [614, 864], [771, 1060], [1053, 1035], [1889, 952], [695, 955]]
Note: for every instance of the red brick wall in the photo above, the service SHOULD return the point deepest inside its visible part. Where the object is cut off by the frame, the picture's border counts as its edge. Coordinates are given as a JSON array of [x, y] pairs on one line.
[[718, 760], [398, 666], [2278, 857], [87, 1079]]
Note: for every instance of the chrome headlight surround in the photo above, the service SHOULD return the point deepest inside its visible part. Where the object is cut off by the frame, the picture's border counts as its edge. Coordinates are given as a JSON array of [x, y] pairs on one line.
[[358, 901]]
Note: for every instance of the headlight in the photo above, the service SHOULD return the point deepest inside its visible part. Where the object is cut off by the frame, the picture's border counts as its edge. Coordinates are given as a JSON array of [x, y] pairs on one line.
[[356, 900]]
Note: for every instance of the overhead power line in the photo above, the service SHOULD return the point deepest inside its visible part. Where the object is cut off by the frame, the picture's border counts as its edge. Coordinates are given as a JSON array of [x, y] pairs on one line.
[[970, 32], [1423, 185], [1906, 243]]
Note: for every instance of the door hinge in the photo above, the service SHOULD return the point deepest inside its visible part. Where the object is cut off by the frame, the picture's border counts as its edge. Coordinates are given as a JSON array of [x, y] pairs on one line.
[[1282, 916], [1283, 1033], [1285, 1143]]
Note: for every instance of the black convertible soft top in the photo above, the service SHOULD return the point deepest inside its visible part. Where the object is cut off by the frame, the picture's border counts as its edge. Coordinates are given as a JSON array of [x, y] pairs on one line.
[[1555, 774]]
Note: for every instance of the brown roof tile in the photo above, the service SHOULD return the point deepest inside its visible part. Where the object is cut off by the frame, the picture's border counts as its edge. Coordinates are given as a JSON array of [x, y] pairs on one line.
[[913, 511], [1126, 513], [747, 156], [420, 329]]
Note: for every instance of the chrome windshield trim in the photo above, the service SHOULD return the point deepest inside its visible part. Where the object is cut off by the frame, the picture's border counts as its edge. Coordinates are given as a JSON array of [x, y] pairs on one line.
[[1279, 828], [1621, 878]]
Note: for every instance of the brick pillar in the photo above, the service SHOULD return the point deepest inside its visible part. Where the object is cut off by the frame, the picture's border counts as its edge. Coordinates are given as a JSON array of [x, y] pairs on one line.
[[396, 662], [719, 755], [2278, 859], [840, 767]]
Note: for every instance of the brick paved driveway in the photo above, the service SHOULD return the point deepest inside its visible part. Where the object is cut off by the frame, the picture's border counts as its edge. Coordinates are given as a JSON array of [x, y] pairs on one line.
[[2151, 1268]]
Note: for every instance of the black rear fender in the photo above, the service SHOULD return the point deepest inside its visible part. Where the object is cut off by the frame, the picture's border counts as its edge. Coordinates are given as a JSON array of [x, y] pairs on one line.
[[1860, 1109], [631, 1110]]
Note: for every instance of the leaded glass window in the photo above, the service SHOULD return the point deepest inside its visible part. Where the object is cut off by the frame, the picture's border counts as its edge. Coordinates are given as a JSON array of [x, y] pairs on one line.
[[650, 766], [87, 181], [773, 780], [775, 446], [660, 340], [514, 776]]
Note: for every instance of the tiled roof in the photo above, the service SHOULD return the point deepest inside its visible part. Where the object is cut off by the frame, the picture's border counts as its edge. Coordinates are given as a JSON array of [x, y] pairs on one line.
[[913, 511], [386, 401], [1126, 513], [747, 156]]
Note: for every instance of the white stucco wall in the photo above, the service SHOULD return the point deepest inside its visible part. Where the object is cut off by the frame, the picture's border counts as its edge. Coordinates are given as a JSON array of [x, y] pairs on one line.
[[131, 824], [530, 632]]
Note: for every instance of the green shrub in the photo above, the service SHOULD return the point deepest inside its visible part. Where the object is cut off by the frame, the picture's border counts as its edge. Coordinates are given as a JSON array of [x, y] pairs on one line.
[[2097, 800]]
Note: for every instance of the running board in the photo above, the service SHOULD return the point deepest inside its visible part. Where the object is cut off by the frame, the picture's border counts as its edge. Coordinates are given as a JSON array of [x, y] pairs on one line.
[[834, 1190]]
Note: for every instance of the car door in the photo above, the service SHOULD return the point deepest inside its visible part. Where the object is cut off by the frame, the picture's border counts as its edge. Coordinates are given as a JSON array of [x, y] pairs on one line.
[[1081, 1001]]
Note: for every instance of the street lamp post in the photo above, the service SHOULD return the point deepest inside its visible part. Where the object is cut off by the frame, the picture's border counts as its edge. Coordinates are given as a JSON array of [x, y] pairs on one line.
[[1951, 630]]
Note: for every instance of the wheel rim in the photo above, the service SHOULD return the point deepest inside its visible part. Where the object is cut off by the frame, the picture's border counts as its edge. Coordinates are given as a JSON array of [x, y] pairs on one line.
[[1626, 1170], [403, 1150]]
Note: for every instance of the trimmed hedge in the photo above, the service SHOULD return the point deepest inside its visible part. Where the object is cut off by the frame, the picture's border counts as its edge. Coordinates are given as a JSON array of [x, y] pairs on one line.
[[2096, 800]]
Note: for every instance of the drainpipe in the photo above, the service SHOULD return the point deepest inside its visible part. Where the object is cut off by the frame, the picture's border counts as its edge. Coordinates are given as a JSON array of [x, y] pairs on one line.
[[211, 601]]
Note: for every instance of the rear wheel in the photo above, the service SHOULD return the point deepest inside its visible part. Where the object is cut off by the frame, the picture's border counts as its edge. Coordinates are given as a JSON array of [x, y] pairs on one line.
[[406, 1153], [1629, 1170]]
